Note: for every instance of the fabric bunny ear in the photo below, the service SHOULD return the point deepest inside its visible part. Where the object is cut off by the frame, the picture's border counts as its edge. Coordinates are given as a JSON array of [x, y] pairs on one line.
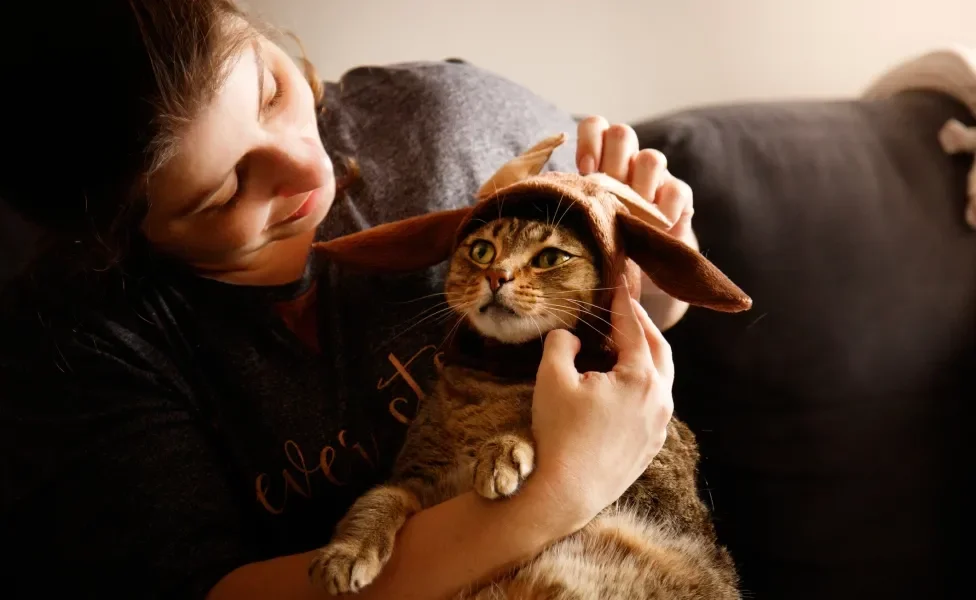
[[635, 204], [677, 269], [523, 166], [408, 245]]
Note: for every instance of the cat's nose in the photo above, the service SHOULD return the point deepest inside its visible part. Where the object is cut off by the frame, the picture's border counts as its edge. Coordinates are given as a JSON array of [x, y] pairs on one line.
[[497, 278]]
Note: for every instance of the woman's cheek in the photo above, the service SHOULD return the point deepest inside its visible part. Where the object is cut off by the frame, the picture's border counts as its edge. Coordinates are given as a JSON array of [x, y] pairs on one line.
[[244, 228]]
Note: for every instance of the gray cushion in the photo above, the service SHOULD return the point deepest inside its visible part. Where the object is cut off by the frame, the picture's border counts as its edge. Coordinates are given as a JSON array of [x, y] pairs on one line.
[[833, 415]]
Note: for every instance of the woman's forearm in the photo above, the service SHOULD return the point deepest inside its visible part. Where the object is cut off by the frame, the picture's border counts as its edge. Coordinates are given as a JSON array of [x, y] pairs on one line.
[[438, 552], [664, 310]]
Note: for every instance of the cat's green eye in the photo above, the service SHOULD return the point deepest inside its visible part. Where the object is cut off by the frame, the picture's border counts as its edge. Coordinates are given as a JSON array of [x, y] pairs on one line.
[[482, 252], [550, 257]]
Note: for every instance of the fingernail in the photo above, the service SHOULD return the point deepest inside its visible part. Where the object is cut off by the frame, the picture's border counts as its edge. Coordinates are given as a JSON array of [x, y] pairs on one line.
[[588, 164]]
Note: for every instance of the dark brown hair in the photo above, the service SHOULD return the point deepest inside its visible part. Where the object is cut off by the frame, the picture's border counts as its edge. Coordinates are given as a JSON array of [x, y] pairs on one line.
[[95, 109]]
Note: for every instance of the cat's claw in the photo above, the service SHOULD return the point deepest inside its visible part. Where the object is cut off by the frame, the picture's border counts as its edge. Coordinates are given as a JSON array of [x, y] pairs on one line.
[[344, 567], [501, 465]]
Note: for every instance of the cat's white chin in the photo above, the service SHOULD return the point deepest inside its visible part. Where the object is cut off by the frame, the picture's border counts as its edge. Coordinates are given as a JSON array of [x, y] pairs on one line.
[[511, 328]]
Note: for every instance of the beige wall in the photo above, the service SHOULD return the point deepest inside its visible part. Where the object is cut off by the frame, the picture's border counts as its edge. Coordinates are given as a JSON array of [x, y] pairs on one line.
[[632, 58]]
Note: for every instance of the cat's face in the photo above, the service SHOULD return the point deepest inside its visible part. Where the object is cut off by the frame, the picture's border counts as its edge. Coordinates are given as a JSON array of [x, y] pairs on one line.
[[516, 279]]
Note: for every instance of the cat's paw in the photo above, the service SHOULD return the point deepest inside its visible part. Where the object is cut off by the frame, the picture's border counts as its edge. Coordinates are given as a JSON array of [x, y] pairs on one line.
[[502, 464], [348, 566], [363, 541]]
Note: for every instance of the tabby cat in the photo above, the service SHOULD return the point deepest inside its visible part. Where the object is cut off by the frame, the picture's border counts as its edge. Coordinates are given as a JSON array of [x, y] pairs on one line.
[[510, 281]]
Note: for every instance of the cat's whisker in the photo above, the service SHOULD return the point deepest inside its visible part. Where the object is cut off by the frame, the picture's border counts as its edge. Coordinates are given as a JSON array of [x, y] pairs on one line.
[[455, 296], [433, 311], [447, 310], [430, 311], [450, 333], [556, 212], [575, 317], [579, 320], [571, 304], [460, 309], [448, 294], [585, 303], [576, 291], [596, 316], [536, 323], [565, 212], [567, 325], [446, 317], [442, 312], [439, 305]]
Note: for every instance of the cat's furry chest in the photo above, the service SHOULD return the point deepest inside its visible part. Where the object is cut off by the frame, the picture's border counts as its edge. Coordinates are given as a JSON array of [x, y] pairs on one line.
[[467, 408]]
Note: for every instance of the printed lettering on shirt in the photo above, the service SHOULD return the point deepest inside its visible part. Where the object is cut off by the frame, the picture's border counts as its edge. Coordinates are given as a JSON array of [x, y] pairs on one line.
[[348, 453]]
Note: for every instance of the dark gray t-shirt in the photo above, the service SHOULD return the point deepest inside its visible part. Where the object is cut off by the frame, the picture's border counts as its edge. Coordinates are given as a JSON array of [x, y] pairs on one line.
[[184, 430]]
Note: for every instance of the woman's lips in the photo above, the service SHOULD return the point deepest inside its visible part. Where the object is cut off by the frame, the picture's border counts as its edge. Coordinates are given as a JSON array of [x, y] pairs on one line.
[[307, 207]]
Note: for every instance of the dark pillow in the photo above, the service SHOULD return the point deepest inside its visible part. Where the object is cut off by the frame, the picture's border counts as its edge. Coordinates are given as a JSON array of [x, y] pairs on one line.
[[834, 416]]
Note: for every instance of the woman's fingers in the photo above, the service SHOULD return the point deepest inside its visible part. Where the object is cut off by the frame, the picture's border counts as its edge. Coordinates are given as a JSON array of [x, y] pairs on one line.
[[633, 352], [559, 358], [671, 200], [648, 171], [619, 146], [658, 345], [676, 201], [605, 148], [589, 144]]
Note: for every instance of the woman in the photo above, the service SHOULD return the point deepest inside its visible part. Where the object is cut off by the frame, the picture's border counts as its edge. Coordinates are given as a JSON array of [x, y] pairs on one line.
[[190, 401]]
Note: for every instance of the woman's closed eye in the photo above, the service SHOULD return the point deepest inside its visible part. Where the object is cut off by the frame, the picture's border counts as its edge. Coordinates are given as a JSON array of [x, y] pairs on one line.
[[236, 190], [275, 94]]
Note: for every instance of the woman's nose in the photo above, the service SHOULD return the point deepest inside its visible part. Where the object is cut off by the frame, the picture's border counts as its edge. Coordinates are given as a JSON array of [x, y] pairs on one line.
[[299, 165]]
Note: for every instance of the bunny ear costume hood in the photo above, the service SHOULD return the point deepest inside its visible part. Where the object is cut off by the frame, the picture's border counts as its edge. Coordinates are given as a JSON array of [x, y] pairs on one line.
[[628, 234]]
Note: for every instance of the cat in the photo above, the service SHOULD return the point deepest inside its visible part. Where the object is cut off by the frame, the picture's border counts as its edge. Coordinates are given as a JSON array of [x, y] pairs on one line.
[[510, 281]]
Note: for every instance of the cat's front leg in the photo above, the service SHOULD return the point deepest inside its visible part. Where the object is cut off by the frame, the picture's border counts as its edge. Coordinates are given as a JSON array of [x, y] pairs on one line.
[[363, 541], [502, 464]]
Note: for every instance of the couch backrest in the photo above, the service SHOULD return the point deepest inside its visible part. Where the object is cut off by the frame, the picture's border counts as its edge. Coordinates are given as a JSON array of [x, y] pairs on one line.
[[834, 415]]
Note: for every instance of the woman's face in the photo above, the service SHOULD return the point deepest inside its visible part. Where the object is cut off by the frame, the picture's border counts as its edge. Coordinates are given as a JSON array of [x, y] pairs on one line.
[[250, 181]]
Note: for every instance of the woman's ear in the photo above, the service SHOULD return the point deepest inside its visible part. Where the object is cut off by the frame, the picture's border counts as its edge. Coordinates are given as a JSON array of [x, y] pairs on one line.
[[408, 245], [680, 271]]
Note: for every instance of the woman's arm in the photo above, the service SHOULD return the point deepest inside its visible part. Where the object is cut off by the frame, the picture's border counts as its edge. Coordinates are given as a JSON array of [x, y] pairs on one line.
[[595, 433], [439, 551]]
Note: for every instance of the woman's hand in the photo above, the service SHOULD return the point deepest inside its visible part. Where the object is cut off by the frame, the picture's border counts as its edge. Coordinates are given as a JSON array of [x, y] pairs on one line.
[[614, 150], [595, 433]]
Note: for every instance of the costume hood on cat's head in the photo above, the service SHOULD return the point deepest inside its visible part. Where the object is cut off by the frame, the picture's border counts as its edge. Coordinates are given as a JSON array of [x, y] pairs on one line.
[[629, 234]]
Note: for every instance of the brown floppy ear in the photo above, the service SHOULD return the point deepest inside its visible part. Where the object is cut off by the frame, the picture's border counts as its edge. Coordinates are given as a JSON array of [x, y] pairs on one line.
[[407, 245], [680, 271]]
